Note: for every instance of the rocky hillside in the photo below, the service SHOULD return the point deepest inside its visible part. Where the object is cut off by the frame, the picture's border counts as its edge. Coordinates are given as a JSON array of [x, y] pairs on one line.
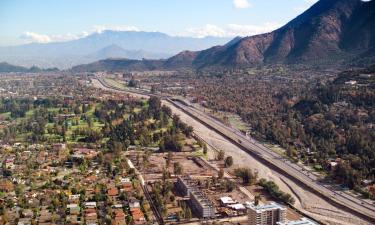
[[330, 32]]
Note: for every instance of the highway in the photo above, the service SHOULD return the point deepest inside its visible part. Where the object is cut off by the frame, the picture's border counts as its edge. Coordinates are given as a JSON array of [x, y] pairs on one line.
[[293, 170], [274, 161]]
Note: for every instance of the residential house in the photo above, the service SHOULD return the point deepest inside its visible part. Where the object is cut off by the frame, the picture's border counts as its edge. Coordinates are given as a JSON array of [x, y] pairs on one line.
[[138, 217], [112, 193], [6, 186], [118, 217]]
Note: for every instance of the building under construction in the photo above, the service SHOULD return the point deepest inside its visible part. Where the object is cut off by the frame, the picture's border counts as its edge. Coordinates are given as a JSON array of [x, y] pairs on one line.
[[200, 204]]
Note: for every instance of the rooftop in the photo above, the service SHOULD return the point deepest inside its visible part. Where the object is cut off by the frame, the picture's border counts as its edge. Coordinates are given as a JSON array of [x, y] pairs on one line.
[[303, 221], [263, 208], [227, 200]]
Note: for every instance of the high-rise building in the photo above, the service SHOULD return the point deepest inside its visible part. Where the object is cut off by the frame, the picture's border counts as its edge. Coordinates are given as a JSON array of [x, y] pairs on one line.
[[268, 214]]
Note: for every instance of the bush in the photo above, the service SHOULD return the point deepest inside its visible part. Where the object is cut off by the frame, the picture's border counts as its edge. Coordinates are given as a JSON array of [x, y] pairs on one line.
[[275, 192]]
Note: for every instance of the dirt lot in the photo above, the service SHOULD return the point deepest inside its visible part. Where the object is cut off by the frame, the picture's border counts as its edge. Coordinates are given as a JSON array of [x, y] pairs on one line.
[[157, 161]]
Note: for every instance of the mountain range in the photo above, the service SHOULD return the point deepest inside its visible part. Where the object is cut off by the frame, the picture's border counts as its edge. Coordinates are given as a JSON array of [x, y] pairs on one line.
[[329, 32], [8, 68], [106, 44]]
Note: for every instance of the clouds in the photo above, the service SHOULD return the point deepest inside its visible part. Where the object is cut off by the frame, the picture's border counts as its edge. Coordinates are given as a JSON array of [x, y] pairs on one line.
[[207, 30], [241, 4], [100, 28], [34, 37], [232, 30]]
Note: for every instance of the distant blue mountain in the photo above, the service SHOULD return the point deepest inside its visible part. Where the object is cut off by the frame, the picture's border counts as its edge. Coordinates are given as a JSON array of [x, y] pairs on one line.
[[134, 45]]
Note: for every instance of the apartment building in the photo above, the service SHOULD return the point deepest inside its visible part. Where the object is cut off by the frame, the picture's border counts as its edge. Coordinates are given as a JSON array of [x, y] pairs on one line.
[[269, 214], [200, 204]]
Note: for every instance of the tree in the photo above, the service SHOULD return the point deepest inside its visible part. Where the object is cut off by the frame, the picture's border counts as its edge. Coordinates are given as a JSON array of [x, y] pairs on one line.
[[83, 166], [221, 173], [132, 83], [205, 149], [145, 159], [117, 147], [19, 190], [177, 168], [137, 156], [247, 176], [168, 159], [154, 107], [187, 130], [170, 143], [229, 185], [257, 199], [220, 155], [166, 174], [167, 110], [188, 214], [228, 161]]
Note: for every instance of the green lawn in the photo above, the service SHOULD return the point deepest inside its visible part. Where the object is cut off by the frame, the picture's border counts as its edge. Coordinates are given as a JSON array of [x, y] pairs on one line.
[[22, 137], [137, 110], [53, 110], [90, 112], [200, 153], [276, 148], [115, 83]]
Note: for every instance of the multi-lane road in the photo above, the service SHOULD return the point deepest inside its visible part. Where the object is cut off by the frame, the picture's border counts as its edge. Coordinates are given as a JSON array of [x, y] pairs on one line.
[[294, 171], [275, 161]]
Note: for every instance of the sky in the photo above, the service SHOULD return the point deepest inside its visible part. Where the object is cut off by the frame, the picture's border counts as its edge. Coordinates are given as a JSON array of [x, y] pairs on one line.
[[43, 21]]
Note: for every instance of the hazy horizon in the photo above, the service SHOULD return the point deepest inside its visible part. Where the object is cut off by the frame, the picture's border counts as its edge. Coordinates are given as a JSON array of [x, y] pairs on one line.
[[37, 21]]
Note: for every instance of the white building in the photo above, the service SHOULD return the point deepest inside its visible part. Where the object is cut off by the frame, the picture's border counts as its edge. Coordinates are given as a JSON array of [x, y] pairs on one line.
[[224, 201], [269, 214]]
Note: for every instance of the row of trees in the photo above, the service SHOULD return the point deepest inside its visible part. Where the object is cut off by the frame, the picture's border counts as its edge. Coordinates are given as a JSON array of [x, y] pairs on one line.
[[275, 192]]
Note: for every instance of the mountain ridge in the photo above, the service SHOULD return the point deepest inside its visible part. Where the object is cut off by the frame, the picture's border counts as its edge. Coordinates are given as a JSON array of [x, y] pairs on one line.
[[9, 68], [329, 32], [154, 45], [317, 33]]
